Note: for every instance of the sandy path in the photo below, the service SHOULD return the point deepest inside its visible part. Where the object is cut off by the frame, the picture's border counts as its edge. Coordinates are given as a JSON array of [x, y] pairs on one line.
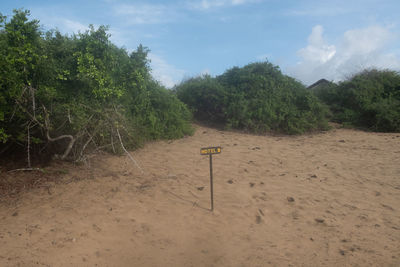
[[329, 199]]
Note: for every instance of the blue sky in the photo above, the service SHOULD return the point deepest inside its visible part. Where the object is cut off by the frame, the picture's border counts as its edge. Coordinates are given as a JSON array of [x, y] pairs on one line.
[[309, 40]]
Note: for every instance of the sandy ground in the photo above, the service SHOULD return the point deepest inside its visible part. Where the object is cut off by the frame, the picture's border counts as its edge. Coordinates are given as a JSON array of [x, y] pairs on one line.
[[327, 199]]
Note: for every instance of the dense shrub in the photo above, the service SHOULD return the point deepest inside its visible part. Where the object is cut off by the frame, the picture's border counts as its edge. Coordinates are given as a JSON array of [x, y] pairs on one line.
[[204, 96], [169, 116], [369, 99], [80, 91], [257, 97]]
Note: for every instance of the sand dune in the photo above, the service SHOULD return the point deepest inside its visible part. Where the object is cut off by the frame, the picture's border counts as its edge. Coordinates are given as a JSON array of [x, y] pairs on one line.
[[327, 199]]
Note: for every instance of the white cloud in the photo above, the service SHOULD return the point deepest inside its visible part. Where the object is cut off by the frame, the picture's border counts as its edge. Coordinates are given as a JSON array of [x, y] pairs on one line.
[[208, 4], [357, 49], [320, 11], [72, 26], [364, 41], [165, 73], [120, 37], [317, 49], [64, 25], [205, 72], [143, 14]]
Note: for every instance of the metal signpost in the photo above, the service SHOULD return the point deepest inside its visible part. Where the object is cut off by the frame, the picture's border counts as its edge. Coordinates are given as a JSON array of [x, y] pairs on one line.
[[210, 151]]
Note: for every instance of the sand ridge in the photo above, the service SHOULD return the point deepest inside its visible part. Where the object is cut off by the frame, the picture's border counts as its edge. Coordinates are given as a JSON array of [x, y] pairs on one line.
[[326, 199]]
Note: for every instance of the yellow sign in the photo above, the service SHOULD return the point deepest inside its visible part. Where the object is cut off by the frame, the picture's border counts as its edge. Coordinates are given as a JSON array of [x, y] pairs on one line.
[[210, 150]]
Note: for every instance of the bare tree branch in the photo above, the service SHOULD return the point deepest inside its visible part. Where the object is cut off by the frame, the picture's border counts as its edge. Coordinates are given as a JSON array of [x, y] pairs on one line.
[[126, 151], [112, 141], [29, 146], [47, 129], [32, 91], [26, 169]]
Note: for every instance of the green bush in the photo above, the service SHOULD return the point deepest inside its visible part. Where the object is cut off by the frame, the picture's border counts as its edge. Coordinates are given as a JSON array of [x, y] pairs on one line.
[[257, 97], [81, 86], [369, 99], [203, 95], [169, 117]]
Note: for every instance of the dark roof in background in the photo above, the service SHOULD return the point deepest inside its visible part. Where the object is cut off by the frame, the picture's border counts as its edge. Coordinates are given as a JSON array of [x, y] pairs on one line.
[[322, 81]]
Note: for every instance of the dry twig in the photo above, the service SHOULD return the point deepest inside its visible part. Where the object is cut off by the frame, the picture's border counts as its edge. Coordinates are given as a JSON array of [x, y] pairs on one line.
[[126, 151], [26, 169]]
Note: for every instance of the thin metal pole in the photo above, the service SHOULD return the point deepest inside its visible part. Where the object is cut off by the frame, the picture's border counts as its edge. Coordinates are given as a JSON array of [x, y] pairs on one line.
[[211, 184]]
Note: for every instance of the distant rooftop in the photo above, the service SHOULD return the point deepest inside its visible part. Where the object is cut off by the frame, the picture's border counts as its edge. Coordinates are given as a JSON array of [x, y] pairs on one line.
[[322, 81]]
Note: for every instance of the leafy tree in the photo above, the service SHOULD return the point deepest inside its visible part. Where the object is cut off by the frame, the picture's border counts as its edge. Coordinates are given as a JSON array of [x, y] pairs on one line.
[[72, 94], [20, 57]]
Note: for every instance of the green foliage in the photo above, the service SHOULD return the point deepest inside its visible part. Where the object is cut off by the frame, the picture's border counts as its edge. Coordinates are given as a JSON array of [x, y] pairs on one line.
[[19, 57], [204, 95], [80, 85], [257, 97], [370, 99], [168, 116]]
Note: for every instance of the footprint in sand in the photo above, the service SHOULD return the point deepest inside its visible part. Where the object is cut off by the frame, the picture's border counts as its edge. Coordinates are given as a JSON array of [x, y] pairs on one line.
[[290, 199], [96, 228], [258, 219]]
